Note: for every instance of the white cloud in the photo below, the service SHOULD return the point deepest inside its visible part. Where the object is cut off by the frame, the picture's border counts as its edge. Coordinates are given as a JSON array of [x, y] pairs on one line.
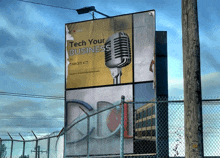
[[4, 22], [165, 21], [35, 16], [211, 80]]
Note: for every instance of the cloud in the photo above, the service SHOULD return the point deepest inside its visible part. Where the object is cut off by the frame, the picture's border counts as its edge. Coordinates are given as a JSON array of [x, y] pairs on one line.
[[210, 62], [210, 85], [208, 14], [8, 39], [54, 45], [24, 115], [27, 71]]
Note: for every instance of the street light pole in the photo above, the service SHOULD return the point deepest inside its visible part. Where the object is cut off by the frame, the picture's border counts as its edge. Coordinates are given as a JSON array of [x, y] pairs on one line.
[[89, 9]]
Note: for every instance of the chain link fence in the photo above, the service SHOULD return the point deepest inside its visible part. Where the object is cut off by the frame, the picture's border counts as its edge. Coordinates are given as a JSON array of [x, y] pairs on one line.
[[44, 147], [99, 133]]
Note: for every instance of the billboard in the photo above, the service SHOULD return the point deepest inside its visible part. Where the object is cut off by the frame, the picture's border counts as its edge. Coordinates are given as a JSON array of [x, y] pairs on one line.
[[108, 51], [99, 51], [105, 59]]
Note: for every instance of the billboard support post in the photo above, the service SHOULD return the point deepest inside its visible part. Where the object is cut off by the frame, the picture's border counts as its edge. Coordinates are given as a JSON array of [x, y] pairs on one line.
[[162, 141], [122, 128]]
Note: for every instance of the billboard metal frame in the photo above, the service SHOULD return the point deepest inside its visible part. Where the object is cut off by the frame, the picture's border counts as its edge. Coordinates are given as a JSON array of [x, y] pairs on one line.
[[160, 85]]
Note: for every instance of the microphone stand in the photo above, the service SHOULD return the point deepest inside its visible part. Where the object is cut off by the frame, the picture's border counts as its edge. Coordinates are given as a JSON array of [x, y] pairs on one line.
[[116, 74]]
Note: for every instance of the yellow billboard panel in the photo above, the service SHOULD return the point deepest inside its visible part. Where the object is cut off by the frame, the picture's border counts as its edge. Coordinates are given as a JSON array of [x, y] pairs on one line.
[[99, 52]]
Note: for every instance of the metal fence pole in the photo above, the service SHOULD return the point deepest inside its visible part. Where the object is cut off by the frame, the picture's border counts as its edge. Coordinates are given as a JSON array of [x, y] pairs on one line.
[[1, 148], [88, 125], [23, 153], [48, 147], [11, 145], [122, 128], [36, 144], [11, 149]]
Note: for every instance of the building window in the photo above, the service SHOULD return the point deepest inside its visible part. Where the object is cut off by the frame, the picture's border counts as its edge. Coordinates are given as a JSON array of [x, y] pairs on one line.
[[144, 124], [144, 113], [139, 133], [136, 116], [136, 125], [140, 124], [148, 123], [153, 121], [148, 133], [143, 133], [149, 111], [153, 133], [141, 115], [153, 110]]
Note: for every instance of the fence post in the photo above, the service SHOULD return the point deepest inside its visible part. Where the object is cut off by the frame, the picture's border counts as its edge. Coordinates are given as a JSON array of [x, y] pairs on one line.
[[122, 128], [36, 144], [88, 125], [0, 147], [23, 153], [48, 147], [11, 145]]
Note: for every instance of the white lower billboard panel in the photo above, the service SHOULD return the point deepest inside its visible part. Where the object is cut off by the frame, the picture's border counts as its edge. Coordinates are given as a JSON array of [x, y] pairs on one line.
[[104, 127]]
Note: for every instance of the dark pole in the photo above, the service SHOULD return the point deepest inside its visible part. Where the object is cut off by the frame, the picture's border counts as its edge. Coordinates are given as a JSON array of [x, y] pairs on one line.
[[11, 145], [161, 85], [48, 147], [102, 13], [38, 148], [192, 80], [23, 154], [1, 148]]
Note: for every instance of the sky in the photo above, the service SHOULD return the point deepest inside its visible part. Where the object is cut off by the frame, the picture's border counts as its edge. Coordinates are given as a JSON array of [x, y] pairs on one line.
[[32, 55]]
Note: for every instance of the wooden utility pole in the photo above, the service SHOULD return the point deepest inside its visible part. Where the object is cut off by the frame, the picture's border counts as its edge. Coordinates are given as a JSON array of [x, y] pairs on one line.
[[192, 81]]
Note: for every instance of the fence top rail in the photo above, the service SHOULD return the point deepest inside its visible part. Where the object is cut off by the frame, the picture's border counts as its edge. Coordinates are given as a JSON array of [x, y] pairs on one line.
[[31, 140], [165, 101]]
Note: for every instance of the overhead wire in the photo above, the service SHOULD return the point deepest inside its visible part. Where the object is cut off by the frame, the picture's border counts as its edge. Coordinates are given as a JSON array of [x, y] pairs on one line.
[[46, 5], [31, 95]]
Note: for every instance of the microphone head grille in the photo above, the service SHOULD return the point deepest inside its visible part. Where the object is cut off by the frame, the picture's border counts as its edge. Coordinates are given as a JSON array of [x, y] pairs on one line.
[[117, 50]]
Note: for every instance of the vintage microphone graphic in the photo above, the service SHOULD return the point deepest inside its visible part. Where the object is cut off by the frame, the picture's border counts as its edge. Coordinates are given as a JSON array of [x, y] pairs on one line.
[[117, 54]]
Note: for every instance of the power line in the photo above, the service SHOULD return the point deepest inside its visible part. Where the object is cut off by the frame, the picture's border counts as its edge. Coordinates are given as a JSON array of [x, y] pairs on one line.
[[47, 5], [31, 95]]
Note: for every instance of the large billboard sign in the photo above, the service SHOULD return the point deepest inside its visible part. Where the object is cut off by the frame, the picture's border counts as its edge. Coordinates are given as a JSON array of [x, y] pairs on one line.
[[108, 51], [105, 59], [99, 52]]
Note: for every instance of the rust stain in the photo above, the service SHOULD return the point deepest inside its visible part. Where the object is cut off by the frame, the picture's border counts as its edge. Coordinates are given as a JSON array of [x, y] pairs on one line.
[[195, 145]]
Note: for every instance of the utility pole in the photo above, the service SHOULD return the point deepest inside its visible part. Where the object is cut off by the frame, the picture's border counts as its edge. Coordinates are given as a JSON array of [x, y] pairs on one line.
[[192, 81]]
